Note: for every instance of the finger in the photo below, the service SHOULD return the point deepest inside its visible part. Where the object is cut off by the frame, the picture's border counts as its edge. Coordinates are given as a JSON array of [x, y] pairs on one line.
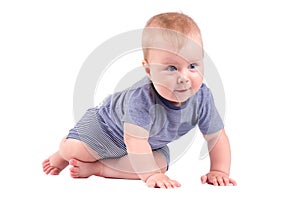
[[233, 182], [220, 181], [175, 183], [168, 185], [160, 184], [213, 180], [203, 179], [226, 181], [151, 184]]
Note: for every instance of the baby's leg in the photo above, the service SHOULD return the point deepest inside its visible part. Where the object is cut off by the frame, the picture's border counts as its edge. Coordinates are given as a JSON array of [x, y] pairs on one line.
[[111, 168], [69, 148]]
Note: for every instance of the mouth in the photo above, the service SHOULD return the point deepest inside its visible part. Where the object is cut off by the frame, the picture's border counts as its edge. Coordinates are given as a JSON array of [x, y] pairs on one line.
[[182, 90]]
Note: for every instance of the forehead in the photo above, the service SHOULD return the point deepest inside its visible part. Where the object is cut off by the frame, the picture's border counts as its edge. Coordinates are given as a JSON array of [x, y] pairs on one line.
[[167, 41], [185, 54]]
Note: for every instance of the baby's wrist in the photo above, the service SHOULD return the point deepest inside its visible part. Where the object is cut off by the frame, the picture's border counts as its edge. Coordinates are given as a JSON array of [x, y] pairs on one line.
[[219, 171]]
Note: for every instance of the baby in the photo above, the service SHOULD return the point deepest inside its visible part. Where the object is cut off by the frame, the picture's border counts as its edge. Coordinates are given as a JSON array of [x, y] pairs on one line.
[[127, 135]]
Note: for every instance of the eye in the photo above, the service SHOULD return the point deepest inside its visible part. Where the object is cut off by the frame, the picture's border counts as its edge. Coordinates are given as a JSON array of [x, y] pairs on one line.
[[192, 66], [171, 68]]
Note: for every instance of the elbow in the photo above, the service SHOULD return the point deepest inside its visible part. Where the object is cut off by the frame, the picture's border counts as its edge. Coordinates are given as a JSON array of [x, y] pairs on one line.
[[127, 139], [136, 145]]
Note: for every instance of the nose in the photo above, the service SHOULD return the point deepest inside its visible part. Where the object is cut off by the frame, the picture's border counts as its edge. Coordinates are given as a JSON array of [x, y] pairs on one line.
[[183, 78]]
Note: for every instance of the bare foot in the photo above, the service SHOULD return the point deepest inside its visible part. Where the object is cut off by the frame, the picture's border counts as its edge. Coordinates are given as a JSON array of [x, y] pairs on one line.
[[84, 169], [54, 164]]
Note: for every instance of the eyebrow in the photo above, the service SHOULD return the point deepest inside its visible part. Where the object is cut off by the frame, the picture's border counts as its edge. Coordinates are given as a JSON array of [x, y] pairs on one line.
[[196, 61], [171, 62]]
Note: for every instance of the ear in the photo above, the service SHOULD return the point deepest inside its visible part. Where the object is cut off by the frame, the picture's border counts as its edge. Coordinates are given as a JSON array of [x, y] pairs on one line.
[[146, 67]]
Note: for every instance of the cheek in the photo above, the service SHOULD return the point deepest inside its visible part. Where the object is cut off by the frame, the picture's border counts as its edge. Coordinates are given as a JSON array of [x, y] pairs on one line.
[[163, 87], [196, 83], [163, 90], [163, 81]]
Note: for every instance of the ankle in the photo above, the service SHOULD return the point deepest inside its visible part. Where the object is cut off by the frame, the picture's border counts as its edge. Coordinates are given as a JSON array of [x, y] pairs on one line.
[[99, 169]]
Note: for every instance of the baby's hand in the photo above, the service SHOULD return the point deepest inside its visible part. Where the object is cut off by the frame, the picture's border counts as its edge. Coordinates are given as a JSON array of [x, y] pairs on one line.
[[160, 180], [217, 179]]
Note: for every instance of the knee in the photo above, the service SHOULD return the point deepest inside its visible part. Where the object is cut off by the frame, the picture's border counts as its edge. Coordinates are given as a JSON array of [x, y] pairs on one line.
[[67, 148], [73, 148]]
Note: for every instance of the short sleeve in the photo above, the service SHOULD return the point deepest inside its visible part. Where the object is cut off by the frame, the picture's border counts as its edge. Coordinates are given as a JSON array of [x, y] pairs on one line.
[[137, 109], [209, 118]]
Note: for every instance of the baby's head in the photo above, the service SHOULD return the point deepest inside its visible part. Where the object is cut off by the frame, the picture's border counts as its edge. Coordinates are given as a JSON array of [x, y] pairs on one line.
[[173, 56]]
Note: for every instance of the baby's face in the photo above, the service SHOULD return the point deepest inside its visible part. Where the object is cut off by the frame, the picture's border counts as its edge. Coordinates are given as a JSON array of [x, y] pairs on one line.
[[176, 76]]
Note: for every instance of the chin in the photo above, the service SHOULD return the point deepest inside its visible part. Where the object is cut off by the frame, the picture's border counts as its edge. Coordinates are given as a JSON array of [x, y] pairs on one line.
[[177, 101]]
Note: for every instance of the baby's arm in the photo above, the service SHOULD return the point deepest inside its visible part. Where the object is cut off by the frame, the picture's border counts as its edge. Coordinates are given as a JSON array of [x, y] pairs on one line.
[[220, 158], [142, 160]]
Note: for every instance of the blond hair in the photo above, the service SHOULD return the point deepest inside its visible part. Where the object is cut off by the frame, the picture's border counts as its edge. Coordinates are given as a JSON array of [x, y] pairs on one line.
[[174, 27]]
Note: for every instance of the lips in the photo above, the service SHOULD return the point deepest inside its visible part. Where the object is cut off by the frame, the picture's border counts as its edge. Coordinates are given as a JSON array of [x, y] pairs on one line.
[[182, 90]]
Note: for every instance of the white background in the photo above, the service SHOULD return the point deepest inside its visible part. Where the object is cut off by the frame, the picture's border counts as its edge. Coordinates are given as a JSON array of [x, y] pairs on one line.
[[254, 45]]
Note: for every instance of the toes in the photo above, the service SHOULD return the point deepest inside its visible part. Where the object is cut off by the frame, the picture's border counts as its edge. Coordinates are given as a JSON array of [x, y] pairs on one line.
[[54, 171], [46, 162], [74, 172], [74, 169], [51, 170], [48, 169], [73, 162]]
